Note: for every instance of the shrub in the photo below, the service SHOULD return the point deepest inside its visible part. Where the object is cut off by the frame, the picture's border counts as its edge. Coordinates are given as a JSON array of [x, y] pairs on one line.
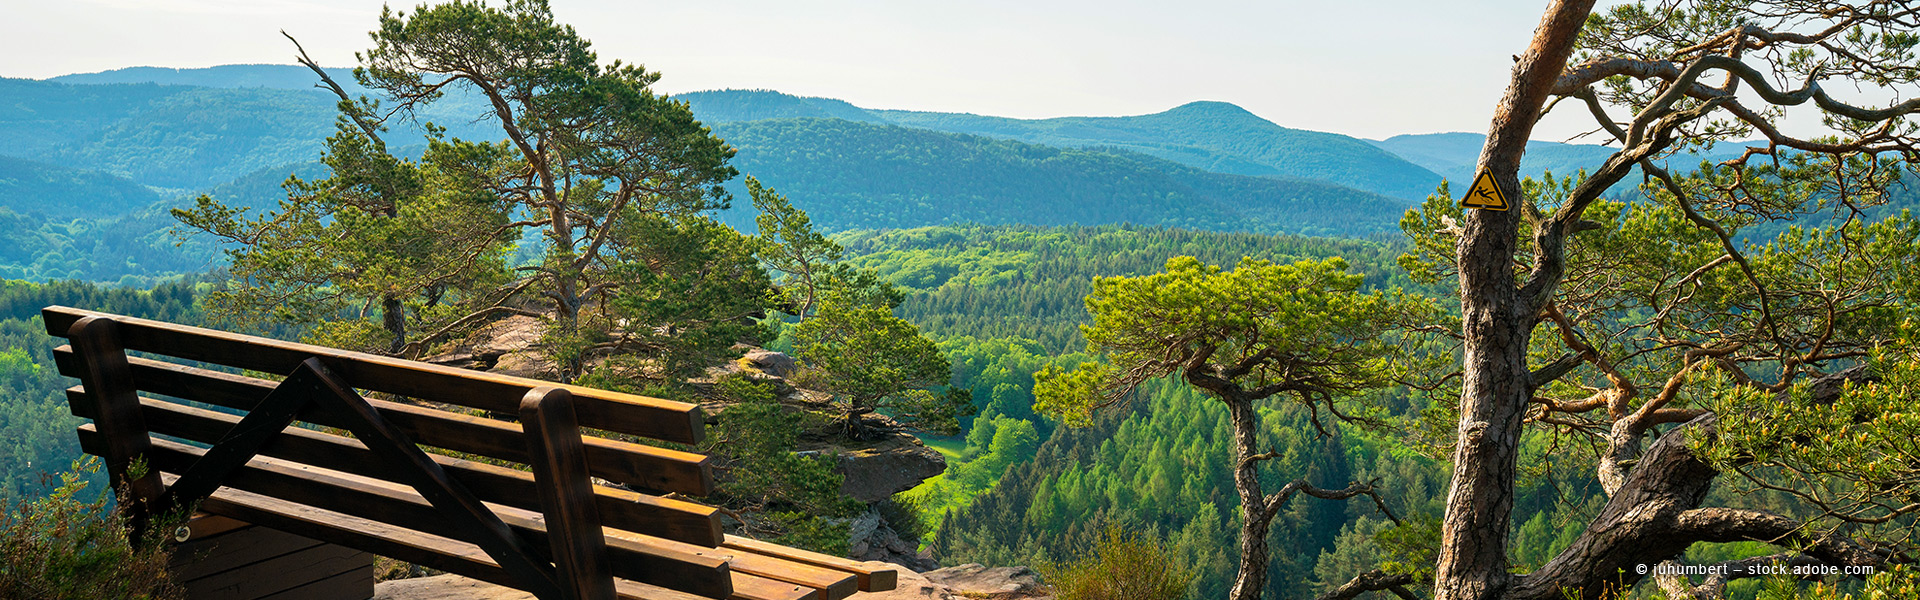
[[796, 498], [1121, 566], [63, 546]]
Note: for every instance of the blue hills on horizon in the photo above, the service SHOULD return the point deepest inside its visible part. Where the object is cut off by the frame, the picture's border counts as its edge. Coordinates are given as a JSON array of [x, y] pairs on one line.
[[1448, 154], [1213, 136], [238, 130]]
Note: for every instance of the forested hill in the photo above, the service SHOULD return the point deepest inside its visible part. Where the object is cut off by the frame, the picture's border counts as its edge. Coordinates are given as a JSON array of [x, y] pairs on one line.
[[25, 185], [174, 138], [1216, 136], [850, 175], [733, 106], [1028, 282], [1006, 301], [169, 137], [1454, 155], [1211, 136]]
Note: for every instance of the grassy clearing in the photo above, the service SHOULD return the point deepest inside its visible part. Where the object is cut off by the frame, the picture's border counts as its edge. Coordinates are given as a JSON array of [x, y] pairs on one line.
[[949, 445]]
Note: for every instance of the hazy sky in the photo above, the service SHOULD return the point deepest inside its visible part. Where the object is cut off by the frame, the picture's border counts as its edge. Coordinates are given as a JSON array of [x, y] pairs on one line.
[[1370, 69]]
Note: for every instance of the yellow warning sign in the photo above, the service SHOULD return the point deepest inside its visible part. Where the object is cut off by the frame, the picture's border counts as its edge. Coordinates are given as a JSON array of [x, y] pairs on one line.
[[1485, 194]]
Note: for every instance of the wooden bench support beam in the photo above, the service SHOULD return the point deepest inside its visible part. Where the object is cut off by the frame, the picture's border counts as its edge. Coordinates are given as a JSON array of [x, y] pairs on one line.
[[242, 442], [684, 567], [104, 369], [566, 494], [409, 464], [418, 548]]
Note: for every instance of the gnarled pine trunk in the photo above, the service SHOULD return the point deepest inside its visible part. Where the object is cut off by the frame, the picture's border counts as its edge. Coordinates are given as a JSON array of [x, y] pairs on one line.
[[1255, 515], [1498, 323]]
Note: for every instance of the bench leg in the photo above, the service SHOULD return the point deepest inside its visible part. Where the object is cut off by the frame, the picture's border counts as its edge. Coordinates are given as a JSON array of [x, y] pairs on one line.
[[109, 383], [558, 458]]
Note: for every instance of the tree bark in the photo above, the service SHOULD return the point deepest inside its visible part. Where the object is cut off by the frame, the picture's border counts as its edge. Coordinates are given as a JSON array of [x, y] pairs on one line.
[[1373, 581], [1637, 525], [1655, 516], [394, 316], [1256, 515], [1498, 323]]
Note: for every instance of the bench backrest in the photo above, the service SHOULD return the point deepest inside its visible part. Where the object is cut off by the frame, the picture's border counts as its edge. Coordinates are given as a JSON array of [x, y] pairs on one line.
[[357, 476]]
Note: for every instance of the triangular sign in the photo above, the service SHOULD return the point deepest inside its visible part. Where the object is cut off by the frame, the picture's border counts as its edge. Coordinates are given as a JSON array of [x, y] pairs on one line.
[[1485, 195]]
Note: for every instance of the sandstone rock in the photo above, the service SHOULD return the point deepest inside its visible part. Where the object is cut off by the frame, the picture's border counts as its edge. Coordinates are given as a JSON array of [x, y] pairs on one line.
[[517, 332], [999, 582], [772, 363], [871, 538], [911, 586], [507, 346], [975, 581], [526, 363], [894, 465], [965, 582], [445, 587]]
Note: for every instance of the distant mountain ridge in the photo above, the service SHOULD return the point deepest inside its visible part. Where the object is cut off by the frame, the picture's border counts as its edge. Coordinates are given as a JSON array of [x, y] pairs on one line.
[[1216, 136], [279, 77], [182, 129], [736, 106], [1454, 155], [853, 175], [1213, 136]]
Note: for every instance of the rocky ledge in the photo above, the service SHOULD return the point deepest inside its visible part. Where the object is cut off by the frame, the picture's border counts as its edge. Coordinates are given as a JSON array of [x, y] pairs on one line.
[[964, 582]]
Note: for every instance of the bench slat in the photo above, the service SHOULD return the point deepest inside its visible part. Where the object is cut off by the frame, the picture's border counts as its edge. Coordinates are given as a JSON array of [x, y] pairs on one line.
[[833, 584], [635, 556], [599, 409], [871, 578], [660, 562], [620, 509], [431, 551], [645, 467]]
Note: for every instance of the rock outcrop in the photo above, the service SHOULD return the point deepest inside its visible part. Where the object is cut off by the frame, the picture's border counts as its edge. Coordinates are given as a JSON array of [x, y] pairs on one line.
[[965, 582], [509, 346], [772, 363], [997, 583], [910, 586], [445, 587], [895, 464], [872, 538]]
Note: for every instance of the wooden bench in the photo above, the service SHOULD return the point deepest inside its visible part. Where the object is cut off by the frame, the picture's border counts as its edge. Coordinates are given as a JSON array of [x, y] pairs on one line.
[[309, 455], [217, 558]]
